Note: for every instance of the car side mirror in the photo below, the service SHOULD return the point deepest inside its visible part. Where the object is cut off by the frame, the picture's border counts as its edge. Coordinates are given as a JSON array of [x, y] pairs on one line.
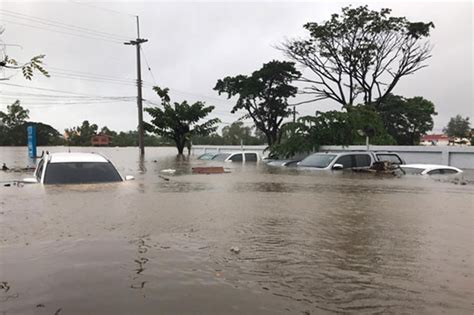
[[337, 166], [30, 180], [129, 177]]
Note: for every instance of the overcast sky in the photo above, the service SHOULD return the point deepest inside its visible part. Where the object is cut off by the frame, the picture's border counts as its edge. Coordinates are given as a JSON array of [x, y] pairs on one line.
[[192, 45]]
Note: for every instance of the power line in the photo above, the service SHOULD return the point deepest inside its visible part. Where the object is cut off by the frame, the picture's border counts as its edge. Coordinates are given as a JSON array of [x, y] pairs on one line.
[[72, 77], [90, 74], [148, 66], [61, 25], [49, 90], [100, 8], [67, 33]]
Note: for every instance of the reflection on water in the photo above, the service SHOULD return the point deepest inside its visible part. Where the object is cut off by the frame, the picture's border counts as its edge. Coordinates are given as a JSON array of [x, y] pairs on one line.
[[310, 241]]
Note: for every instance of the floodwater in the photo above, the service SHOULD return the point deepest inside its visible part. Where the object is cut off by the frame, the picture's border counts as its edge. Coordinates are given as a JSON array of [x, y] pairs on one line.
[[310, 242]]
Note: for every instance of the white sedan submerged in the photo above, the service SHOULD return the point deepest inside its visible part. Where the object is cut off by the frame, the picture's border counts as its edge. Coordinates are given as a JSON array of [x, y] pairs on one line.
[[430, 169], [75, 168]]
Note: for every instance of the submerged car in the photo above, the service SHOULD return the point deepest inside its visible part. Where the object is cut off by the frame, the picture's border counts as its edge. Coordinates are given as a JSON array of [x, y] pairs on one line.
[[348, 159], [429, 169], [75, 168], [207, 156], [242, 157]]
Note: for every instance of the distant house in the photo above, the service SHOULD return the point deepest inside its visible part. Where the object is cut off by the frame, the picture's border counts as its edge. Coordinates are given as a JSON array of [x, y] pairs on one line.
[[101, 140], [435, 139]]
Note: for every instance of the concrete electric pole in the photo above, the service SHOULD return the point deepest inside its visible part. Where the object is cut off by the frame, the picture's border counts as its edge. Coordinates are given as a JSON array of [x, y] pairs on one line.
[[141, 132]]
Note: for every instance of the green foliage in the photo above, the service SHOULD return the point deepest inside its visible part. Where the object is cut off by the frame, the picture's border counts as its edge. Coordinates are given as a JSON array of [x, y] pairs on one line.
[[237, 132], [263, 95], [130, 139], [13, 129], [406, 119], [179, 122], [458, 127], [28, 68], [360, 53], [331, 128], [15, 115], [81, 135]]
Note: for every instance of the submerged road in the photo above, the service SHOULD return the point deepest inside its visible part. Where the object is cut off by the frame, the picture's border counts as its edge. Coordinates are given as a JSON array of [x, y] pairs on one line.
[[310, 242]]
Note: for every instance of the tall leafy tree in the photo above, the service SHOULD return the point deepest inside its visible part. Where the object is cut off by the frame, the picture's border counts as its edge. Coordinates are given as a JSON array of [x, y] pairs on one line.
[[81, 135], [458, 127], [16, 115], [263, 95], [360, 53], [13, 128], [406, 119], [179, 122]]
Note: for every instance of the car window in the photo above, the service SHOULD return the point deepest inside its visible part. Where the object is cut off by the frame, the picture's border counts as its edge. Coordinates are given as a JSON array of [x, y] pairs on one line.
[[362, 160], [39, 169], [347, 161], [392, 158], [442, 171], [250, 157], [221, 157], [236, 158], [80, 172], [319, 160]]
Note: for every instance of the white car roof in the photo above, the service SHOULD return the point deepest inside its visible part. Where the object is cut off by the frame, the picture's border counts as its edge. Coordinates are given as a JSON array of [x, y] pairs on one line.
[[76, 157], [430, 166]]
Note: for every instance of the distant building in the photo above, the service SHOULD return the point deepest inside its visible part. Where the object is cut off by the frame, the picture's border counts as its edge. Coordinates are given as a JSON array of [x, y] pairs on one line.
[[435, 139], [101, 140]]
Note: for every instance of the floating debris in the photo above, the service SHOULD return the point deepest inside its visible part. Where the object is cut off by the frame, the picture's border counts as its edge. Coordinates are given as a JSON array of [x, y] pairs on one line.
[[235, 249], [208, 170], [168, 171]]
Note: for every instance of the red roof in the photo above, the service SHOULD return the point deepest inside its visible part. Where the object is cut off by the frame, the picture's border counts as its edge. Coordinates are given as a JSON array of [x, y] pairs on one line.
[[435, 137]]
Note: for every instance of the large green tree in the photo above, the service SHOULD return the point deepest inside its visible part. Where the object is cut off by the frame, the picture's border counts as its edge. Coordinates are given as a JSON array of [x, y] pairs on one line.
[[179, 122], [406, 119], [236, 132], [81, 135], [13, 128], [359, 55], [458, 127], [308, 133], [263, 95]]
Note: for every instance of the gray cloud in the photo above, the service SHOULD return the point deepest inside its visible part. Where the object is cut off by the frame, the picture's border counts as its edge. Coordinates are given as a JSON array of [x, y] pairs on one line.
[[191, 45]]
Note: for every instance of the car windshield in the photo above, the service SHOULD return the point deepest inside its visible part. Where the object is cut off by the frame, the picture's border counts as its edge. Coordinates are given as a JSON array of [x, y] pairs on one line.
[[221, 157], [319, 160], [207, 156], [81, 173]]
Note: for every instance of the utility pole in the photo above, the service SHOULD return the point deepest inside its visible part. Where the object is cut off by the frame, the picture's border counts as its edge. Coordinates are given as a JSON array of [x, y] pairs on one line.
[[294, 113], [141, 133]]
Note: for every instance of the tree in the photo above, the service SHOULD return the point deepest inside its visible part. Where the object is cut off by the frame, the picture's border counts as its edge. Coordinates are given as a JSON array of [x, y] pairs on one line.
[[13, 128], [331, 128], [81, 135], [458, 127], [360, 53], [179, 122], [263, 95], [16, 115], [27, 68], [406, 119]]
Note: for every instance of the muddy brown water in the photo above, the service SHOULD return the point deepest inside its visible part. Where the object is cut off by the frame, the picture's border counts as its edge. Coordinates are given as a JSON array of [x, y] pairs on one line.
[[310, 242]]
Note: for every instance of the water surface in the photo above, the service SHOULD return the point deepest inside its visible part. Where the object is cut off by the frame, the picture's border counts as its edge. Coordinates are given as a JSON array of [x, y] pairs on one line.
[[310, 242]]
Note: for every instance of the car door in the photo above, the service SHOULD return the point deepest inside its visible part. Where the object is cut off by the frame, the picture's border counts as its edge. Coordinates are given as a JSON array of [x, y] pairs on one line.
[[251, 157], [236, 157], [346, 161]]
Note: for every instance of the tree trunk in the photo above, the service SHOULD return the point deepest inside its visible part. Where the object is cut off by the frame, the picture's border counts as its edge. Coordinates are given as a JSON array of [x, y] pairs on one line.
[[180, 146]]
